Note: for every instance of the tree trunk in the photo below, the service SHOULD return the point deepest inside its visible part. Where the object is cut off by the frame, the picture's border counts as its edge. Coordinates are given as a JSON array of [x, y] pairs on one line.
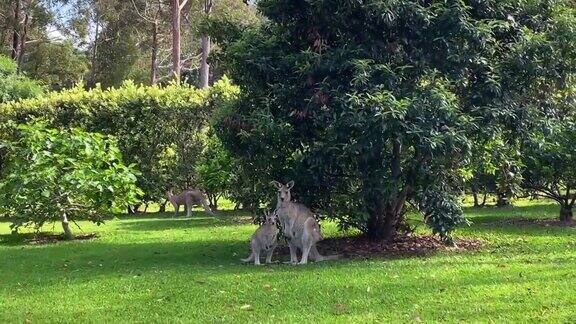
[[176, 40], [162, 208], [382, 223], [475, 195], [66, 227], [213, 203], [502, 200], [154, 61], [94, 63], [566, 214], [23, 37], [16, 31], [484, 198], [206, 46], [204, 67]]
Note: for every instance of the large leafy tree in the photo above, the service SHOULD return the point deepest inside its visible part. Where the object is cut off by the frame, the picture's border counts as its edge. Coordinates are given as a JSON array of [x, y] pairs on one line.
[[546, 62], [550, 159], [369, 105]]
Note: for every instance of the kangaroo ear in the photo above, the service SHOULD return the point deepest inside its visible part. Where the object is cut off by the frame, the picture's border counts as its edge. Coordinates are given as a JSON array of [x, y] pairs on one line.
[[290, 184], [276, 184]]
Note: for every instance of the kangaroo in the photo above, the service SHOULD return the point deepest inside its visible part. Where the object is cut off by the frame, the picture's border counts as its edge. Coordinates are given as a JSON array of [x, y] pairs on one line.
[[299, 226], [264, 239], [188, 198]]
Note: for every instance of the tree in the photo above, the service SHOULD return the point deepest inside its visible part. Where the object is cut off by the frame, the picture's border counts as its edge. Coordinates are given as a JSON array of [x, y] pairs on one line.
[[14, 86], [64, 176], [543, 69], [550, 160], [153, 12], [214, 171], [495, 169], [206, 47], [57, 65], [369, 106]]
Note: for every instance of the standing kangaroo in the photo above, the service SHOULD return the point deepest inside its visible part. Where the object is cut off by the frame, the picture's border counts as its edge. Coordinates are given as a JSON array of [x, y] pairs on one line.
[[264, 239], [188, 198], [299, 226]]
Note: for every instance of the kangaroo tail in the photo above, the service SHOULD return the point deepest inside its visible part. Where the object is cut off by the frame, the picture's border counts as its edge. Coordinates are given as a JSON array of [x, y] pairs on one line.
[[249, 258]]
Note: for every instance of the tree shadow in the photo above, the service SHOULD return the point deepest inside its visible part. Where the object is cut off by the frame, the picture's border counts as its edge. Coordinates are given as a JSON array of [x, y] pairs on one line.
[[155, 224], [485, 214], [181, 215], [508, 220]]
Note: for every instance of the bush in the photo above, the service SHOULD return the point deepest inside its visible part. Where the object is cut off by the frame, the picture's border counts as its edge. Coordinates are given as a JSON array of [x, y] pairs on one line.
[[156, 127], [215, 171], [55, 175]]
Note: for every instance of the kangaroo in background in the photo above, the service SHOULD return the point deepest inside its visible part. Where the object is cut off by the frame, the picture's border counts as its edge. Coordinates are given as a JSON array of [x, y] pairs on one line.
[[299, 226], [189, 198], [264, 239]]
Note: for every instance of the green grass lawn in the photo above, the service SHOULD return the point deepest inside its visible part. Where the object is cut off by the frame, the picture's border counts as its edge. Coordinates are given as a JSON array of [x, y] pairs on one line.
[[150, 268]]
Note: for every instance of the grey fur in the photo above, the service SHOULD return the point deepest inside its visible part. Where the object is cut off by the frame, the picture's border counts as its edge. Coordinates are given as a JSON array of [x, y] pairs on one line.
[[299, 226], [264, 239], [189, 198]]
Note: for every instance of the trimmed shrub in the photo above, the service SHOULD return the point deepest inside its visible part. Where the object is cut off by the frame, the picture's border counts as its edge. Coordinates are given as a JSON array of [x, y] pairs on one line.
[[157, 128]]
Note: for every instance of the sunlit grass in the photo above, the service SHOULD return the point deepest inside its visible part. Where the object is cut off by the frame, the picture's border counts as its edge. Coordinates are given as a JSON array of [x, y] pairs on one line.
[[154, 268]]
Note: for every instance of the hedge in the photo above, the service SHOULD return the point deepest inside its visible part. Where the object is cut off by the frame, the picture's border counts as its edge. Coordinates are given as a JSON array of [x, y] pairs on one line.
[[157, 127]]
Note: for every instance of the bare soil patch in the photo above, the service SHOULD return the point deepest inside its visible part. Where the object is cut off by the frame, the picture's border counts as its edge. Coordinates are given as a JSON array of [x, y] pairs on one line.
[[42, 238]]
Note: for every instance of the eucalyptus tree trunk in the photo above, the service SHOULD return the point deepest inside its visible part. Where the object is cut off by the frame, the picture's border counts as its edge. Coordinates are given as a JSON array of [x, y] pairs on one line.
[[206, 46], [154, 60], [23, 37], [94, 54], [176, 40], [16, 30]]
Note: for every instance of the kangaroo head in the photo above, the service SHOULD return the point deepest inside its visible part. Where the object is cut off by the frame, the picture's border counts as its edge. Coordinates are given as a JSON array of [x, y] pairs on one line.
[[270, 217], [283, 190]]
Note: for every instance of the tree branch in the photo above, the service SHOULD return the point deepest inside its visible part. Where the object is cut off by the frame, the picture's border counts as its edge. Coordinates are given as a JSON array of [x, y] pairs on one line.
[[183, 4]]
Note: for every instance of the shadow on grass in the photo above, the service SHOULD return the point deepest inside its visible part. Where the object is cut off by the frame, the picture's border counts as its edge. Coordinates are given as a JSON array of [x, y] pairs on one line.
[[203, 261], [180, 215], [153, 224], [484, 214], [516, 221]]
